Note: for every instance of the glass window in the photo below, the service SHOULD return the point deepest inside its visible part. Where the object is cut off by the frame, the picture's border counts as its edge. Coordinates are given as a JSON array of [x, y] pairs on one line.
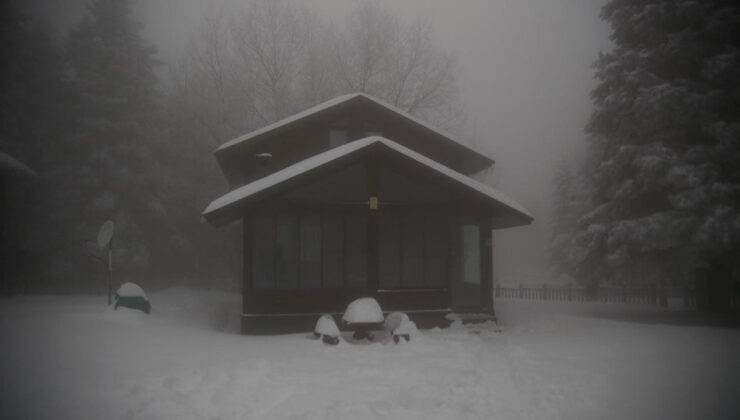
[[263, 252], [389, 252], [471, 253], [412, 250], [356, 251], [286, 264], [436, 251], [332, 251], [310, 251], [337, 137]]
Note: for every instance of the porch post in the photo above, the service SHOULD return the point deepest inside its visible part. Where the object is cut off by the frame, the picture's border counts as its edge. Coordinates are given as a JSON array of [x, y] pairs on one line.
[[486, 250], [372, 223], [246, 267]]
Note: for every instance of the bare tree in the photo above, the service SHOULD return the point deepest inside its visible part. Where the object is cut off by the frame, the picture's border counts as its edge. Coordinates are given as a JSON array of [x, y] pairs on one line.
[[270, 41], [375, 53]]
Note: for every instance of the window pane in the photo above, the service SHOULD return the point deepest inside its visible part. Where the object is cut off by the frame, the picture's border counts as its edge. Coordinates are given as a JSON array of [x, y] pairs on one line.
[[263, 252], [356, 251], [413, 252], [332, 249], [310, 251], [389, 252], [435, 252], [286, 266], [471, 253]]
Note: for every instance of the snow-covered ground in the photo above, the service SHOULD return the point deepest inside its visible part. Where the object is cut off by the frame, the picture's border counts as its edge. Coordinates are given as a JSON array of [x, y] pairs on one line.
[[75, 358]]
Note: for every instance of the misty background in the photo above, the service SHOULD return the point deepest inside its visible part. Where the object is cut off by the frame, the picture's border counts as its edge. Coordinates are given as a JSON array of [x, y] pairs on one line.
[[524, 76]]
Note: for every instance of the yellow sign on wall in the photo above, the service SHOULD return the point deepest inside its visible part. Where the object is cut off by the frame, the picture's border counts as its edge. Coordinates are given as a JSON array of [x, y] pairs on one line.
[[373, 203]]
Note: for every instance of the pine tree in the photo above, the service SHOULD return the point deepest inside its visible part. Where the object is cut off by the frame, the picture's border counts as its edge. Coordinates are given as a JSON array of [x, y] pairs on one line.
[[567, 204], [32, 115], [107, 167], [664, 146]]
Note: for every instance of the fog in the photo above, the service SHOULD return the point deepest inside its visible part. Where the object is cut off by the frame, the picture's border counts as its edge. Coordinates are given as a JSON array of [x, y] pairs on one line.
[[315, 299], [525, 78]]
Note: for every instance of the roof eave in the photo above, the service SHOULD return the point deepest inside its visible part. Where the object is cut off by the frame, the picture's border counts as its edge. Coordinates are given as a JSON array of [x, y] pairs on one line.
[[228, 208]]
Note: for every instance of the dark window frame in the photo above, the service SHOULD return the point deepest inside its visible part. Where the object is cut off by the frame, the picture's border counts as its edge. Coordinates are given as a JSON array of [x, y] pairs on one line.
[[298, 217], [445, 221]]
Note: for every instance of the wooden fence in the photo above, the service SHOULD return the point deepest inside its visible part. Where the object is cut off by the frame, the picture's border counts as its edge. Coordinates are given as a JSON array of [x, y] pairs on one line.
[[645, 295]]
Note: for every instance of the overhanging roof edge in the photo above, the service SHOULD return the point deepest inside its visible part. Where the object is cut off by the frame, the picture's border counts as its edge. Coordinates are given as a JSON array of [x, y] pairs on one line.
[[339, 100], [242, 193]]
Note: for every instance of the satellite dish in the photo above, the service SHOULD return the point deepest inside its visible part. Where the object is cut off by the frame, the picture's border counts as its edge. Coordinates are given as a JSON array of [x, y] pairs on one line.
[[105, 234]]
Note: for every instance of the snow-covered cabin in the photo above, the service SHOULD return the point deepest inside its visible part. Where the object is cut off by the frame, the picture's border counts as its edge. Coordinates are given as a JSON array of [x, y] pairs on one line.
[[353, 198]]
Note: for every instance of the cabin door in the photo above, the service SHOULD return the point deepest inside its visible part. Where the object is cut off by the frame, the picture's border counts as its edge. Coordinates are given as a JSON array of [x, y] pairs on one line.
[[466, 293]]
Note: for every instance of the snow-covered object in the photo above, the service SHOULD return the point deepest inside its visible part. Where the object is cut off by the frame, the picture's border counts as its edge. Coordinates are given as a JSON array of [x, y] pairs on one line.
[[406, 328], [131, 290], [399, 326], [394, 320], [326, 326], [263, 184], [363, 311]]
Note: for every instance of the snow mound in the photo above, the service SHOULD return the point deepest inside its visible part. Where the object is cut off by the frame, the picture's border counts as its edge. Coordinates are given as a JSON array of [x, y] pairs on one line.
[[363, 310], [129, 289], [326, 326], [124, 316]]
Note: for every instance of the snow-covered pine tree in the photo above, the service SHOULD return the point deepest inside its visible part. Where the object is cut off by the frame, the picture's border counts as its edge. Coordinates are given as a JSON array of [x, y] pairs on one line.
[[664, 143], [110, 162], [565, 214]]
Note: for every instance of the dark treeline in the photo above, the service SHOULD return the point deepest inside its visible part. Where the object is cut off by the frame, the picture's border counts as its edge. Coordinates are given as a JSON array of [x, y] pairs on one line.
[[656, 200], [109, 138]]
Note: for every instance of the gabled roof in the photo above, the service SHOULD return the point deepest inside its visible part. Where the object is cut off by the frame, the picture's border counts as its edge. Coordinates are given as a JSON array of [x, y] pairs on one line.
[[244, 140], [10, 164], [229, 207]]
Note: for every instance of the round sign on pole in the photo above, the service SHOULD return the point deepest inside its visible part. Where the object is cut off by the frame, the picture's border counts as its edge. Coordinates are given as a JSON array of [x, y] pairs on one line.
[[105, 234]]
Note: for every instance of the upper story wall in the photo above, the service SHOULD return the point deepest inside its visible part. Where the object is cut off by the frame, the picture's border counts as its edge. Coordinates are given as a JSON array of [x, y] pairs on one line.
[[336, 122]]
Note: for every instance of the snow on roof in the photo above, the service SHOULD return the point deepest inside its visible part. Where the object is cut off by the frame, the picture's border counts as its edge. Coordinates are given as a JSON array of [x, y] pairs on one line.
[[323, 158], [337, 101], [12, 164], [286, 173]]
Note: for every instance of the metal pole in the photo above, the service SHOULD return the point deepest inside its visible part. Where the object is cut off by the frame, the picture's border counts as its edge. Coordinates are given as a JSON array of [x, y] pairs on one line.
[[110, 269]]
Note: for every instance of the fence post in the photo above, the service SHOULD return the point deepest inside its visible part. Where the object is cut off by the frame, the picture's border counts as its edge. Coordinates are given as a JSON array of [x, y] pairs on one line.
[[653, 293], [521, 291], [570, 292], [498, 290], [544, 292]]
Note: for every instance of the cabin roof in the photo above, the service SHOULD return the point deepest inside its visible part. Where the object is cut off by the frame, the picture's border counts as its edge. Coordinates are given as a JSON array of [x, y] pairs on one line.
[[246, 139], [228, 207], [10, 164]]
